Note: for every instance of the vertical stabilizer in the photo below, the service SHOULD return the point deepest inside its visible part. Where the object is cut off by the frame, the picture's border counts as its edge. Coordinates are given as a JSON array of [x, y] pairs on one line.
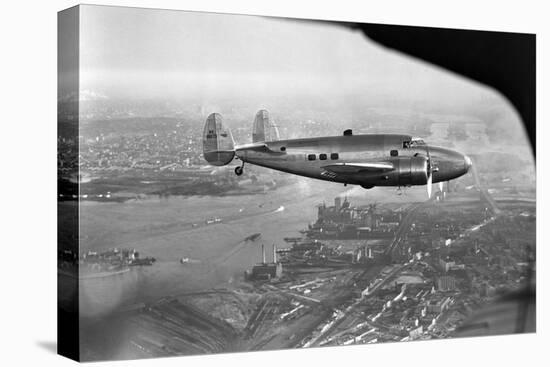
[[217, 141], [264, 129]]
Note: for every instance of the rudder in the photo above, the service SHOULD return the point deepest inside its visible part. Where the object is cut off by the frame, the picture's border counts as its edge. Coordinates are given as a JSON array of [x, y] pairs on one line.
[[217, 141], [264, 129]]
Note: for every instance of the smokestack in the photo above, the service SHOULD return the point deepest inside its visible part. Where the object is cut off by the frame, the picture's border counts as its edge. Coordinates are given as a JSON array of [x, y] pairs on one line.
[[263, 254], [274, 254]]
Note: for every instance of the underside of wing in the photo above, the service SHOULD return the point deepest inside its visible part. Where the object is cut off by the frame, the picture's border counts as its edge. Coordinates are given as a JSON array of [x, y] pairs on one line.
[[347, 168]]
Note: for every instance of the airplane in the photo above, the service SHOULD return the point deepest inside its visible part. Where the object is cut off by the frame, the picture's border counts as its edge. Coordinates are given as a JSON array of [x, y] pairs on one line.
[[367, 160]]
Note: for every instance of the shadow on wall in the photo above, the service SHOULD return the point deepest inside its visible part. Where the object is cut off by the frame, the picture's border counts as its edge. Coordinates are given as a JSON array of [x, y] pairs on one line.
[[48, 345]]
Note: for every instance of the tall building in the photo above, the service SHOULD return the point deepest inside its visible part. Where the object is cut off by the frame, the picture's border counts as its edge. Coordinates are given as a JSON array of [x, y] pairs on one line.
[[446, 264], [446, 283], [337, 203]]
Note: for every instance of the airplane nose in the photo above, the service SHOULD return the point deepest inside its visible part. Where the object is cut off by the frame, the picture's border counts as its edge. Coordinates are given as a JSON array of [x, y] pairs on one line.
[[467, 163]]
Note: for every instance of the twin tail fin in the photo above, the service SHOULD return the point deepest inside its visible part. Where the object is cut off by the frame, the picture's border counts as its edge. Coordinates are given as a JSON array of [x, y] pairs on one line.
[[218, 146]]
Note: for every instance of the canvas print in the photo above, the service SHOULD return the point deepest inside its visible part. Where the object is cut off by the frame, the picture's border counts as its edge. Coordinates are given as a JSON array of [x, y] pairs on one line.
[[233, 183]]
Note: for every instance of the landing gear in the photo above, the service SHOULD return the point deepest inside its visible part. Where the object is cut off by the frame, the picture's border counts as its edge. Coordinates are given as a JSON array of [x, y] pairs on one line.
[[239, 170], [401, 190]]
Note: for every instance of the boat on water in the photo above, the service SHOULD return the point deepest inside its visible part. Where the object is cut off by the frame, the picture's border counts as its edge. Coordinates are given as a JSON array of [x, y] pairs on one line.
[[187, 260], [253, 237]]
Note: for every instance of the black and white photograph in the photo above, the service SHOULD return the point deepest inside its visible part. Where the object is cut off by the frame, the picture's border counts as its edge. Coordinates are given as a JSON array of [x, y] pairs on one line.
[[232, 183]]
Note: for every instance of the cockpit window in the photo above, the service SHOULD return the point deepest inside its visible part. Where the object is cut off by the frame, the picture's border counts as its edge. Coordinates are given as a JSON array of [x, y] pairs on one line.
[[416, 142]]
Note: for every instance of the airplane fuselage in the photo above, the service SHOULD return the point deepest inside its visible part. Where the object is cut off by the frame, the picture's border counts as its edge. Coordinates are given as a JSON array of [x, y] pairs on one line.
[[310, 157]]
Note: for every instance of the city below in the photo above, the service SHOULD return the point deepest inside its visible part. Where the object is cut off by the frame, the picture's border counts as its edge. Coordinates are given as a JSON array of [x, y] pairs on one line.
[[379, 273]]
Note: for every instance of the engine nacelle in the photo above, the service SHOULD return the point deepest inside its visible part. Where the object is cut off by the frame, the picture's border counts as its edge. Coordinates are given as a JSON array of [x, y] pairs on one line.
[[409, 171]]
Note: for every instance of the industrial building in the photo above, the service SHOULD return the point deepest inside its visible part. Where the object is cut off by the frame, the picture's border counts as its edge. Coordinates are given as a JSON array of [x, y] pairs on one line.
[[265, 270], [438, 305], [342, 221]]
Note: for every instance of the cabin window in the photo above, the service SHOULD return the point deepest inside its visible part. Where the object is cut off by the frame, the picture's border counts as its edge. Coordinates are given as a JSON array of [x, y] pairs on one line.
[[394, 153], [323, 157], [283, 149], [334, 156], [311, 157], [406, 144]]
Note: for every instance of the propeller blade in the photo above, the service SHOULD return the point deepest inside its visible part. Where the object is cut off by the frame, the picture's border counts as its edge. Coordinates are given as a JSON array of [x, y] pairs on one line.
[[429, 185], [428, 154]]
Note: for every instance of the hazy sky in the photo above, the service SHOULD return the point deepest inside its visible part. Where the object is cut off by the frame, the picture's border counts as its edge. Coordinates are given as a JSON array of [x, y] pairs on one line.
[[160, 53]]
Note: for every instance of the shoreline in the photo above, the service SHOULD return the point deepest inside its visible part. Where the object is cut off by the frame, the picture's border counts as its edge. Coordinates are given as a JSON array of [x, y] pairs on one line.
[[102, 274]]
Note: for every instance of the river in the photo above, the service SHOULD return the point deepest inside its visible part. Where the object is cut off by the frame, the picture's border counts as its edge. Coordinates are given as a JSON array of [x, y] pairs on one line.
[[176, 227]]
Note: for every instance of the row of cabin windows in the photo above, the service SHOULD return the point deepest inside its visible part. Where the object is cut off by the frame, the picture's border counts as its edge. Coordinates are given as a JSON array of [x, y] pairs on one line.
[[322, 156], [334, 156]]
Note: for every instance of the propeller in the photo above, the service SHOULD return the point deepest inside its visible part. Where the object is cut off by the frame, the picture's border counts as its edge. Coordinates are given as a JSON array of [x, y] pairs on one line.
[[430, 170], [429, 183]]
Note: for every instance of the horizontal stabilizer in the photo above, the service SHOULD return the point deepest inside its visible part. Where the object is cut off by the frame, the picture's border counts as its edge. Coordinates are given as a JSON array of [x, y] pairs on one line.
[[217, 141], [359, 167], [257, 147]]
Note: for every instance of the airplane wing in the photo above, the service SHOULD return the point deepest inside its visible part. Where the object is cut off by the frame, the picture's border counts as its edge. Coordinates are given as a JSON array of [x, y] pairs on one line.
[[345, 168]]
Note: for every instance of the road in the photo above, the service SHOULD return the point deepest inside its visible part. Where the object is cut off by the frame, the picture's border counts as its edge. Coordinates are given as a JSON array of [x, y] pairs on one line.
[[484, 192], [404, 226]]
